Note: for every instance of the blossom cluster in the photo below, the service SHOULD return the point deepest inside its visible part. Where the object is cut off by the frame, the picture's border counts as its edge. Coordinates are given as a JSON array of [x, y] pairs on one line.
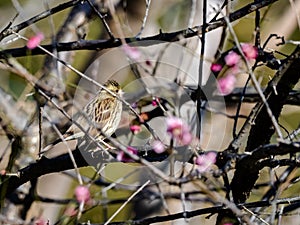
[[205, 161], [179, 130], [232, 60]]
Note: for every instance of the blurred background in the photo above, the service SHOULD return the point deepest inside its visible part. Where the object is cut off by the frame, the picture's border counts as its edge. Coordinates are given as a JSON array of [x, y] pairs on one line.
[[179, 60]]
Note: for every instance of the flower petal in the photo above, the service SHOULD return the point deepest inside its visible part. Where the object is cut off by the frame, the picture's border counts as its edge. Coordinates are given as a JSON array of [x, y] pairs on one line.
[[82, 193], [215, 67], [34, 41], [226, 84], [249, 50], [232, 58], [158, 147], [132, 52]]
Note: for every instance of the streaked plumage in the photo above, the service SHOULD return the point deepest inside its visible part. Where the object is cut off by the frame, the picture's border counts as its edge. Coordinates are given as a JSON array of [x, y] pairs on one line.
[[103, 111]]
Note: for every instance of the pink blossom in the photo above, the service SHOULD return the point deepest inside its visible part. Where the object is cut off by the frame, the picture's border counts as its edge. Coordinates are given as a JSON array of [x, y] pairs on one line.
[[215, 67], [154, 102], [179, 130], [135, 129], [131, 52], [123, 157], [205, 161], [82, 194], [186, 138], [250, 51], [175, 125], [158, 146], [232, 58], [34, 41], [226, 84]]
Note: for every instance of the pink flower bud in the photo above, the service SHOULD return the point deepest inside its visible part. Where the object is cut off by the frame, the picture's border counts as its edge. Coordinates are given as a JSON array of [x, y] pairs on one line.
[[232, 58], [135, 129], [158, 146], [179, 130], [186, 138], [215, 67], [226, 84], [34, 41], [174, 124], [131, 52], [82, 194], [154, 102], [250, 51]]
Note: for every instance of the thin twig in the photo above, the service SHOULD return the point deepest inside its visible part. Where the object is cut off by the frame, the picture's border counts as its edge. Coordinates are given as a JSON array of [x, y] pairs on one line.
[[67, 146], [192, 13], [85, 77], [102, 18], [294, 134], [201, 69], [8, 31], [217, 198], [257, 217], [22, 14], [115, 183], [125, 203], [148, 3]]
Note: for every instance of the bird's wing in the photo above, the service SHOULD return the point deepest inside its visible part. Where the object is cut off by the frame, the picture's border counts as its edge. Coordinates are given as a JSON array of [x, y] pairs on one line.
[[103, 112]]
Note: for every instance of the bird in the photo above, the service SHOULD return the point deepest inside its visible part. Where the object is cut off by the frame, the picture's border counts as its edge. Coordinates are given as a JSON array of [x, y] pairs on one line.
[[100, 118]]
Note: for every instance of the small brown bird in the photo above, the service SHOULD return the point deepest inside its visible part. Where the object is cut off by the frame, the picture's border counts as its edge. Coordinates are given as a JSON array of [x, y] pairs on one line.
[[102, 113]]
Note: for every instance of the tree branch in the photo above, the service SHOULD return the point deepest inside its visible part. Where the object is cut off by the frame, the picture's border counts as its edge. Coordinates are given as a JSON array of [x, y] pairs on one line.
[[147, 41], [15, 29], [199, 212]]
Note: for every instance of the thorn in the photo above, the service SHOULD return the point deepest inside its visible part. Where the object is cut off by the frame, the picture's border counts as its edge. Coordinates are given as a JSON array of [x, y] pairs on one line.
[[275, 89]]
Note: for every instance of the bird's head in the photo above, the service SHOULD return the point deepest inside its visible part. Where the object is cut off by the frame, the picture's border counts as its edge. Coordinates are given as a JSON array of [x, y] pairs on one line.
[[113, 86]]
